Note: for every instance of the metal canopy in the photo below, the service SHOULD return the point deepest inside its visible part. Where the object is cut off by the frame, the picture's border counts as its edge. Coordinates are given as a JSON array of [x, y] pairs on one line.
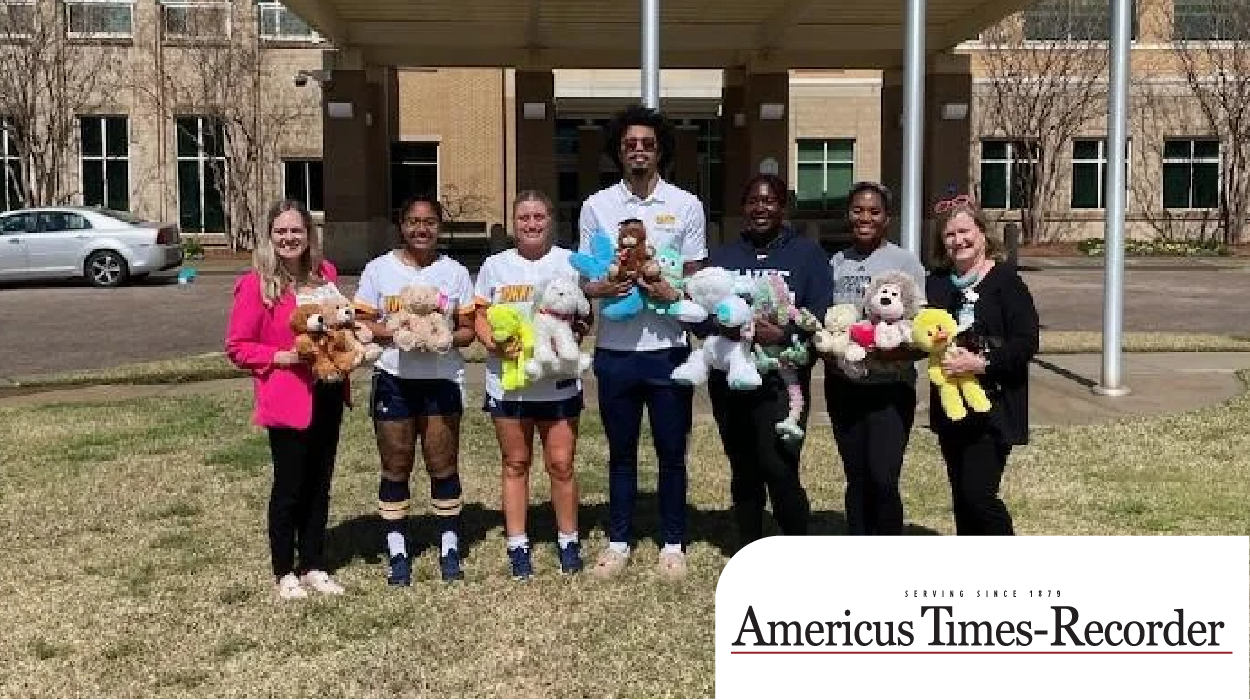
[[598, 34]]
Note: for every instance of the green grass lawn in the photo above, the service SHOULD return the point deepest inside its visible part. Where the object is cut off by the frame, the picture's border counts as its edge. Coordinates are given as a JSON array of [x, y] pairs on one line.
[[137, 563]]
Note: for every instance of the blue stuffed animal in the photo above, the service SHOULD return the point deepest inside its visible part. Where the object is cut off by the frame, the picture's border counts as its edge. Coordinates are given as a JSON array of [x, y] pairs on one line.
[[594, 266]]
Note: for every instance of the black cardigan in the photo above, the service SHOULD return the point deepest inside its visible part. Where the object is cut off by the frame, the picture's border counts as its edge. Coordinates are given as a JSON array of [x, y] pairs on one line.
[[1007, 330]]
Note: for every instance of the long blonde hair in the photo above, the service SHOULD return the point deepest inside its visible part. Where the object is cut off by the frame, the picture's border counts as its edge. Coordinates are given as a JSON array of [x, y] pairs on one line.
[[275, 278]]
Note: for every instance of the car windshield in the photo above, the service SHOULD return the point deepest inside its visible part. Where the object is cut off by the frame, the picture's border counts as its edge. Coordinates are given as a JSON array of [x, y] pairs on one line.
[[122, 216]]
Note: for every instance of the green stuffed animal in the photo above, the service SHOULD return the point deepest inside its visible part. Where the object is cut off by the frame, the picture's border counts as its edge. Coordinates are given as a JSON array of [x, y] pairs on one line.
[[671, 270], [510, 327]]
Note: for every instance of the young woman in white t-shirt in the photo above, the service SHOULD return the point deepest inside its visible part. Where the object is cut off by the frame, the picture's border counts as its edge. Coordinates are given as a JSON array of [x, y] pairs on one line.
[[549, 406], [419, 394]]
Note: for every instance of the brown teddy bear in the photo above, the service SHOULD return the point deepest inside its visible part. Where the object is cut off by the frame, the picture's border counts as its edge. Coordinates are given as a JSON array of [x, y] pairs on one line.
[[634, 258], [421, 323], [317, 341]]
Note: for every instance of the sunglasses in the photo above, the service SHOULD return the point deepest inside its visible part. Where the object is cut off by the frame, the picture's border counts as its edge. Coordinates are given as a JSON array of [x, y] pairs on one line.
[[645, 143]]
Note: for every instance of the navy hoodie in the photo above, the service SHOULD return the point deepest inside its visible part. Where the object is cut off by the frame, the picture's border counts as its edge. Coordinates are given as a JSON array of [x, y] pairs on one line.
[[800, 260]]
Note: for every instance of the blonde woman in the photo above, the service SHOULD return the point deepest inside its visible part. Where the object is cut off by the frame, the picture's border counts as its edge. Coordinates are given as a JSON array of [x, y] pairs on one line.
[[301, 415]]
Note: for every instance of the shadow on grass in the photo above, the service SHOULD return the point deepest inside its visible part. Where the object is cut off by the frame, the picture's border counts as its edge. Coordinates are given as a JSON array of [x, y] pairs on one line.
[[363, 537]]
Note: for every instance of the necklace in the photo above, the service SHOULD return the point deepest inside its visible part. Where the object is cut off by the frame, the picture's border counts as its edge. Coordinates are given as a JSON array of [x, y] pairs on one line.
[[966, 314]]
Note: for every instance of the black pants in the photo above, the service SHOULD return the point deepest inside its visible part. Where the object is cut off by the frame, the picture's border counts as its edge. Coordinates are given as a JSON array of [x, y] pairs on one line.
[[975, 459], [299, 503], [761, 463], [872, 425]]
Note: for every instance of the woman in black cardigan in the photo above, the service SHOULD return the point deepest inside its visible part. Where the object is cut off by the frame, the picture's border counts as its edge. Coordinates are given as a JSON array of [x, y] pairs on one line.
[[997, 339]]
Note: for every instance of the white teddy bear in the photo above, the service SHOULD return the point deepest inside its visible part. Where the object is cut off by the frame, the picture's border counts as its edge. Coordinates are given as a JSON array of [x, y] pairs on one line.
[[557, 303], [834, 339], [714, 290]]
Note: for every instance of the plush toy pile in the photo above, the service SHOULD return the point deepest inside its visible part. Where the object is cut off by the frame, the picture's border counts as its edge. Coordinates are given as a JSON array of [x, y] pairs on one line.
[[715, 293], [421, 323], [771, 300], [933, 331], [326, 338]]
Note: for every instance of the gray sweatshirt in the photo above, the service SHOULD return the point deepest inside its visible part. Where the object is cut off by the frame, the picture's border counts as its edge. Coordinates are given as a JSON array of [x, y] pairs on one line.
[[852, 271]]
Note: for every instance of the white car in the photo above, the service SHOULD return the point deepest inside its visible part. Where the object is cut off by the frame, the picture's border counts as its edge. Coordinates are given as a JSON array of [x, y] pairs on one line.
[[107, 248]]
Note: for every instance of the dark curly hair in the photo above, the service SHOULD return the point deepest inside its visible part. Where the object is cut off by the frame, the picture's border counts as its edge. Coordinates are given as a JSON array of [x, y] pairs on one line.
[[412, 201], [638, 115], [776, 184], [887, 198]]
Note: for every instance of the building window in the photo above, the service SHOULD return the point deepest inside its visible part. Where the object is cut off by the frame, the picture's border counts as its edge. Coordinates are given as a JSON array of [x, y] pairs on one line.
[[1191, 173], [1089, 172], [414, 170], [195, 19], [1063, 20], [277, 23], [1220, 20], [202, 174], [711, 152], [302, 182], [568, 137], [105, 148], [826, 171], [99, 19], [10, 171], [1007, 169], [17, 18]]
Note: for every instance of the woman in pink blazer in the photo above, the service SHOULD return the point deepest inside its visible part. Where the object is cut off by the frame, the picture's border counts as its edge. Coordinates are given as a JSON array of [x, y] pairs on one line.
[[302, 415]]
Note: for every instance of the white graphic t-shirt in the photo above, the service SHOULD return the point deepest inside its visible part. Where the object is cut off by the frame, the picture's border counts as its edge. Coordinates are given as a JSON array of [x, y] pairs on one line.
[[672, 216], [508, 278], [380, 284]]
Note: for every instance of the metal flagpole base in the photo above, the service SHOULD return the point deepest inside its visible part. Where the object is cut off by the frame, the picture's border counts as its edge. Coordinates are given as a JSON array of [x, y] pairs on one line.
[[1101, 390]]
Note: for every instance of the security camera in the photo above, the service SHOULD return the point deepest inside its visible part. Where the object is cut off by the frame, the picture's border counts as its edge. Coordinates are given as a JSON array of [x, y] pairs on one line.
[[301, 80]]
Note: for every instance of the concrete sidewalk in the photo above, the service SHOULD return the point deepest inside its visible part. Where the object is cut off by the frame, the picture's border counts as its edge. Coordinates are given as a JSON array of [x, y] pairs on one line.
[[1059, 389]]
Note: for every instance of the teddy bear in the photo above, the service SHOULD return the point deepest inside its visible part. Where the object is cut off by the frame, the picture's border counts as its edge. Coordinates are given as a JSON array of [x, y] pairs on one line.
[[833, 340], [318, 343], [715, 291], [510, 328], [361, 336], [558, 302], [421, 323], [890, 301], [595, 265], [933, 331], [635, 259]]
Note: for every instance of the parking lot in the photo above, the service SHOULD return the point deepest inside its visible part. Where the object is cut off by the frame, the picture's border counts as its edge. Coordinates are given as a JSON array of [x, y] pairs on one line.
[[59, 327]]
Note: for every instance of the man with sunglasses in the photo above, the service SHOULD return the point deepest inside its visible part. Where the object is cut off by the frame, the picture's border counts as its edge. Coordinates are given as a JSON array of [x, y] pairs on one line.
[[634, 358]]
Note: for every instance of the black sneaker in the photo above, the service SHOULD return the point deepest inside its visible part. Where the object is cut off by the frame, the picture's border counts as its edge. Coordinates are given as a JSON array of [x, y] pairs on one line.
[[449, 566], [522, 567], [401, 571], [571, 558]]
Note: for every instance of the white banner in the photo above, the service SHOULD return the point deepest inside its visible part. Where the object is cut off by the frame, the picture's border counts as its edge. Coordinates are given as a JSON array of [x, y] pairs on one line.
[[966, 617]]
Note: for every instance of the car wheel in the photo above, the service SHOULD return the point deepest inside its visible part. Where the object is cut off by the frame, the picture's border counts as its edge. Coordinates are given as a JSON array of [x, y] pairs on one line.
[[106, 268]]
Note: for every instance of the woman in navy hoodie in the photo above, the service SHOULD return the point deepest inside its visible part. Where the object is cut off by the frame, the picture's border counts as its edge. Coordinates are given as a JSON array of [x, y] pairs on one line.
[[762, 462]]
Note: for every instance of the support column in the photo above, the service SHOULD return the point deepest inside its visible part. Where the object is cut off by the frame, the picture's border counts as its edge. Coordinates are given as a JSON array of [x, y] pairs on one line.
[[589, 155], [736, 146], [357, 117], [892, 140], [910, 213], [755, 109], [685, 172], [948, 141], [535, 133]]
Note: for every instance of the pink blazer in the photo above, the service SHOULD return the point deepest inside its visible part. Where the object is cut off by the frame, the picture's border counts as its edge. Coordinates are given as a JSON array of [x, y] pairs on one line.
[[283, 395]]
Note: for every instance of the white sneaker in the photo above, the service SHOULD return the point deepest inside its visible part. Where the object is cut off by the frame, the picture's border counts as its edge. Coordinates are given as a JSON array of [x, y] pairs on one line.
[[321, 582], [290, 588]]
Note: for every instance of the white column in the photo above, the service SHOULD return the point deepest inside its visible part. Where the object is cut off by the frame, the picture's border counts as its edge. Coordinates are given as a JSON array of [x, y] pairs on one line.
[[651, 53], [912, 182], [1112, 383]]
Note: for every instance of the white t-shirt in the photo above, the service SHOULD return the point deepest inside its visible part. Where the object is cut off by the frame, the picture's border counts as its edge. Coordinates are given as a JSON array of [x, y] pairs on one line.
[[508, 278], [380, 284], [672, 216], [317, 295]]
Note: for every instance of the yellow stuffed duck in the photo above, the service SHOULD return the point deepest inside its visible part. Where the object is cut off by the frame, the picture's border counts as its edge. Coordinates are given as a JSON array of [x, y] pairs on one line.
[[509, 326], [933, 331]]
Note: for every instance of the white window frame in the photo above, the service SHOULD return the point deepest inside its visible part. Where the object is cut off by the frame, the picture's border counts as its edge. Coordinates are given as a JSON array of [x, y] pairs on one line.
[[304, 163], [5, 6], [1101, 163], [202, 160], [437, 163], [10, 166], [223, 5], [1012, 161], [1192, 160], [276, 8], [825, 161], [69, 9], [104, 158]]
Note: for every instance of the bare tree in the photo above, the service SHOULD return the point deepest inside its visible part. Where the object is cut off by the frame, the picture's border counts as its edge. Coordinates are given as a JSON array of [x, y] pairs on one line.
[[1216, 65], [462, 203], [1045, 83], [46, 81], [214, 74]]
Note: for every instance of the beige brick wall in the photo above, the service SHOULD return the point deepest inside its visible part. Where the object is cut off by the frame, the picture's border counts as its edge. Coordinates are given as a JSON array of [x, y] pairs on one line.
[[465, 110]]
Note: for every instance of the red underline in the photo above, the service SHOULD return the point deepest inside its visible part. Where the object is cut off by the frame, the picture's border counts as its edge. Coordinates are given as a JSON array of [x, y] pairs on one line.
[[981, 652]]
